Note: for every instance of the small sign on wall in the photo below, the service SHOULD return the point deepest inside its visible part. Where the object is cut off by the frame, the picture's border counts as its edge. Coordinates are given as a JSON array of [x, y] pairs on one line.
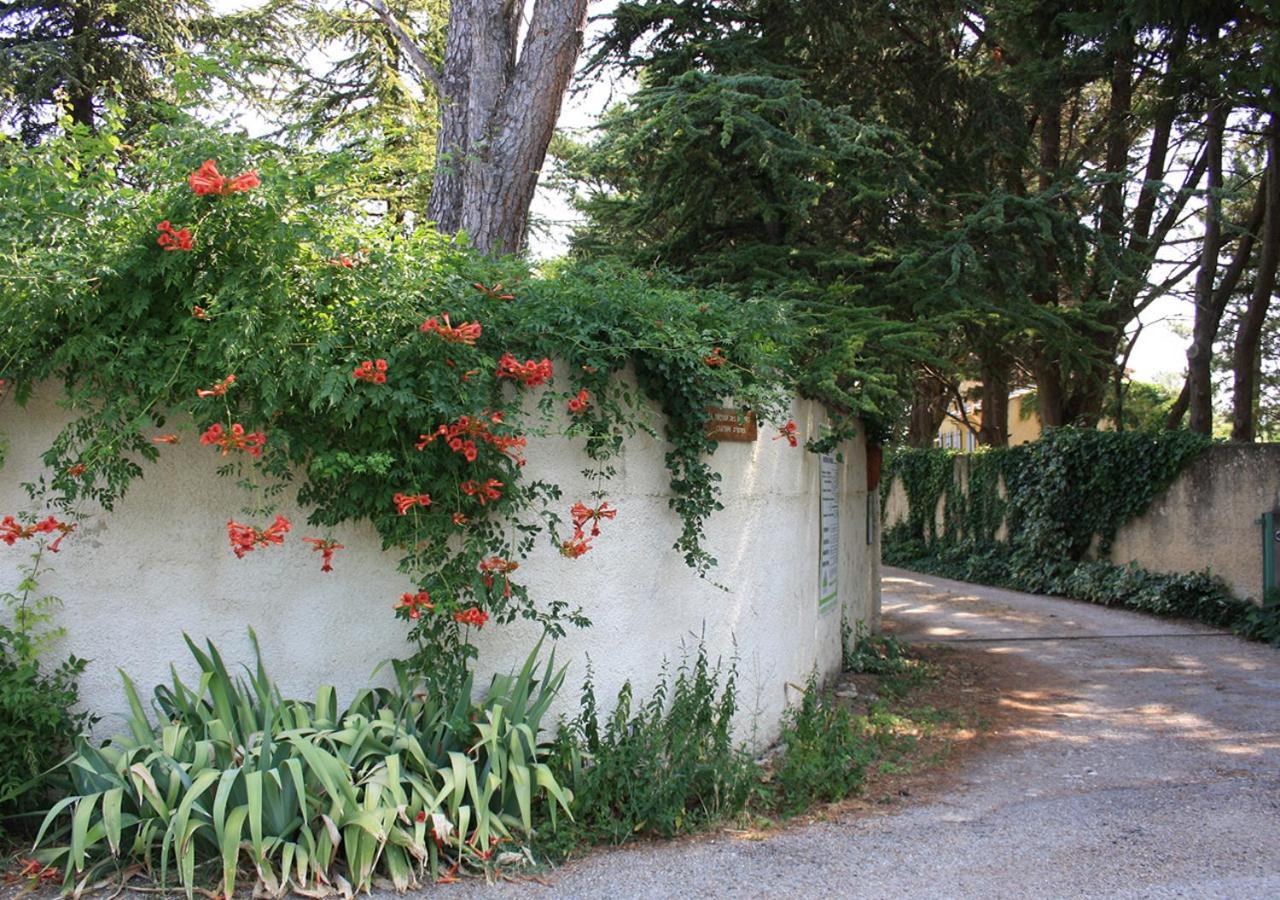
[[727, 424], [829, 534]]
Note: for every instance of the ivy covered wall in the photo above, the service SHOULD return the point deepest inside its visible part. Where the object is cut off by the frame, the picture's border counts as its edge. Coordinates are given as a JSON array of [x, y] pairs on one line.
[[1163, 522]]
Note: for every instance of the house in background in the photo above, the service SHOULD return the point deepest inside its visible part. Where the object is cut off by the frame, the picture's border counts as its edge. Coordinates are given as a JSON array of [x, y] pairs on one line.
[[959, 430]]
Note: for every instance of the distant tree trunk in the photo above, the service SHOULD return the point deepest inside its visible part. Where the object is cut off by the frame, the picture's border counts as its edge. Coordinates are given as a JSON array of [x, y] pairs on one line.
[[928, 409], [1049, 394], [1244, 360], [80, 89], [1205, 328], [1049, 384], [1178, 411], [1212, 315], [498, 111], [995, 404]]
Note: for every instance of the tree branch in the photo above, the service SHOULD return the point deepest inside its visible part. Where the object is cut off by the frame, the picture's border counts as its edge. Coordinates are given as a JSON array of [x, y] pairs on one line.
[[411, 49]]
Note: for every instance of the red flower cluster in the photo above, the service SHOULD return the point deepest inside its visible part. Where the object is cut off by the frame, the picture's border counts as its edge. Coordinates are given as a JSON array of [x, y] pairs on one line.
[[165, 439], [461, 436], [325, 548], [466, 333], [218, 389], [530, 372], [582, 514], [76, 471], [208, 180], [237, 440], [11, 531], [497, 565], [31, 870], [788, 432], [495, 292], [245, 538], [173, 240], [373, 371], [405, 502], [490, 490], [199, 312], [415, 603], [716, 358], [579, 404], [473, 616], [460, 519], [575, 548]]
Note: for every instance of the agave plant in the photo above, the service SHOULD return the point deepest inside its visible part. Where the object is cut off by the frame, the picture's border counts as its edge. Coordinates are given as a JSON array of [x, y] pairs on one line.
[[399, 784]]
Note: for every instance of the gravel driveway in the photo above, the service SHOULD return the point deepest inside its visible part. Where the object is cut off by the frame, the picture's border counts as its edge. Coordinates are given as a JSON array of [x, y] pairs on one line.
[[1143, 761]]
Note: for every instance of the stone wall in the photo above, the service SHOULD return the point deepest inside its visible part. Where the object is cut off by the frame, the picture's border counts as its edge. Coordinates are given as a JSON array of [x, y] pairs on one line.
[[133, 580]]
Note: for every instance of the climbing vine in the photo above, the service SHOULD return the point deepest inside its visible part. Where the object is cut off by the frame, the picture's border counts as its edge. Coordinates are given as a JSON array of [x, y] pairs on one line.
[[1059, 500], [1057, 496], [383, 375]]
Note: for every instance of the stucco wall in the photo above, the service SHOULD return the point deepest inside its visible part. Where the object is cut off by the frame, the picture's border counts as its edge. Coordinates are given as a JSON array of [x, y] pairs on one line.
[[134, 579], [1207, 519]]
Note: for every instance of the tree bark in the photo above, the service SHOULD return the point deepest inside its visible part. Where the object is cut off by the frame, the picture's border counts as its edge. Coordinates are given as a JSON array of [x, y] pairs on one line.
[[81, 84], [995, 403], [929, 399], [1245, 357], [1248, 235], [1204, 329], [498, 114]]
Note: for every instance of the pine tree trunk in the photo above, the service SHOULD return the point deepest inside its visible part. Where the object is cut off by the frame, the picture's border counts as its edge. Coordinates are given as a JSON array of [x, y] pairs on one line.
[[995, 404], [1244, 360], [498, 114], [1205, 327], [928, 409]]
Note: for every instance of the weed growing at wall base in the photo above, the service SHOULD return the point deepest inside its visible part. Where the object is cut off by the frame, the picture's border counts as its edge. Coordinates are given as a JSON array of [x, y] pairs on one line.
[[665, 767]]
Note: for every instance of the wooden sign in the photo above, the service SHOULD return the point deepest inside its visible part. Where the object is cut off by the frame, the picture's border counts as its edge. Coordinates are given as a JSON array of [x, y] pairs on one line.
[[728, 424]]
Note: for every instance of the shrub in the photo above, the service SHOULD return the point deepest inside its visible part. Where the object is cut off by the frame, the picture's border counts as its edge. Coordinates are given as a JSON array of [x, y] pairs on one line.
[[38, 726], [399, 784], [1262, 623], [825, 755], [669, 768], [38, 721]]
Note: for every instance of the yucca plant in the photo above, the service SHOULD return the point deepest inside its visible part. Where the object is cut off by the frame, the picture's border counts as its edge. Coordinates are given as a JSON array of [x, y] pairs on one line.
[[399, 784]]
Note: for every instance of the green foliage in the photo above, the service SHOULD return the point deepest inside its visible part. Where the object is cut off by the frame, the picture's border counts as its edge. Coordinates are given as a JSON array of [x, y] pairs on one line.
[[1262, 623], [1062, 493], [369, 99], [825, 754], [669, 767], [400, 784], [881, 654], [90, 300], [38, 719], [38, 724], [76, 54]]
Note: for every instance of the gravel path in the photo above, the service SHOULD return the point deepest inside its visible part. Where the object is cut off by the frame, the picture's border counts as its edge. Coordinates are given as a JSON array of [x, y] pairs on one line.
[[1141, 759]]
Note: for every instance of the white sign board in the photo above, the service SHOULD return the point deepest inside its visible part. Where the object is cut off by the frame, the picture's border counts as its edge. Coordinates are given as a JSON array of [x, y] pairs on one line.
[[829, 538]]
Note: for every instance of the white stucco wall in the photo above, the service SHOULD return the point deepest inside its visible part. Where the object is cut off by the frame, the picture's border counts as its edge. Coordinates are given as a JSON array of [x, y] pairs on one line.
[[134, 579]]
